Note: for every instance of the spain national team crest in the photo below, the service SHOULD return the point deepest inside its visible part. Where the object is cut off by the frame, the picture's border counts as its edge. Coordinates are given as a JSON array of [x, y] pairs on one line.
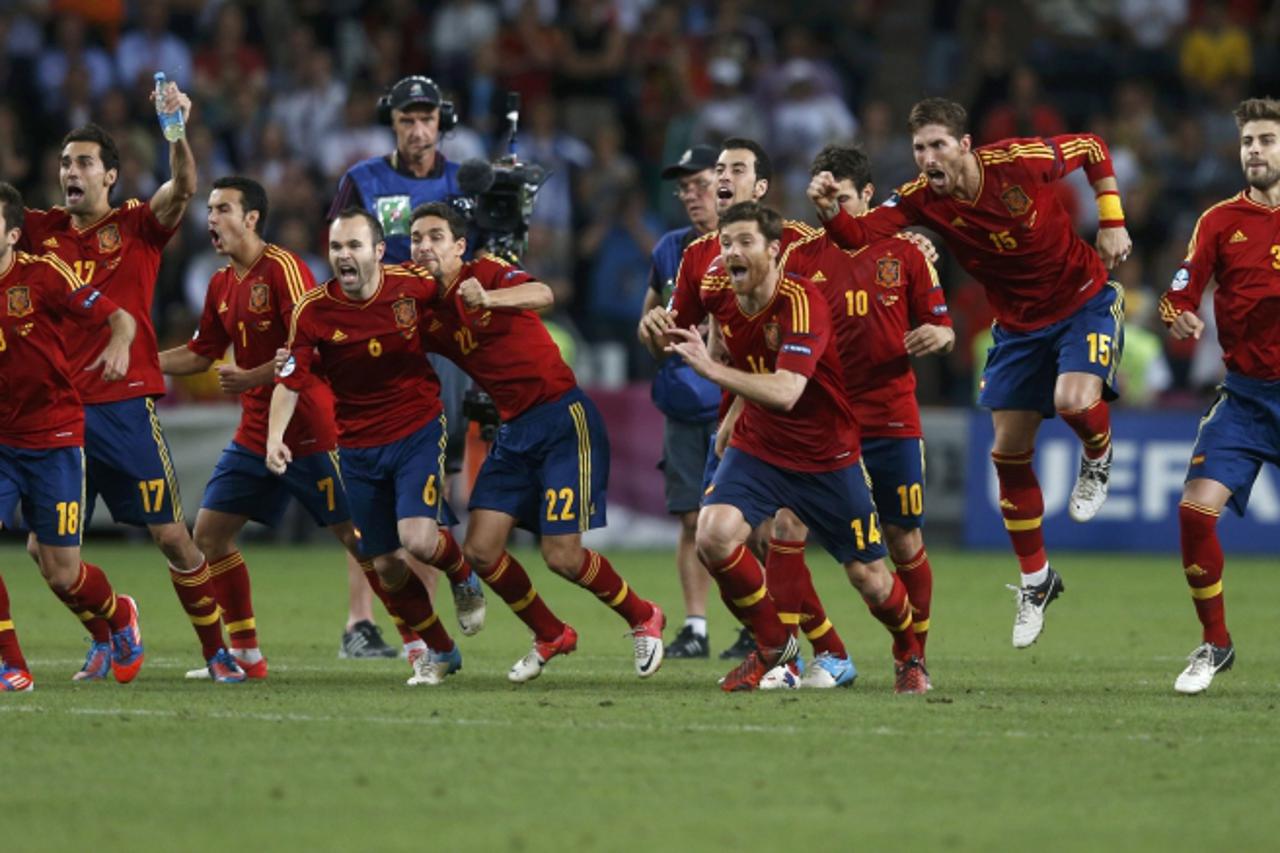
[[1015, 200], [108, 239], [888, 272], [405, 312], [259, 297], [772, 335], [19, 302]]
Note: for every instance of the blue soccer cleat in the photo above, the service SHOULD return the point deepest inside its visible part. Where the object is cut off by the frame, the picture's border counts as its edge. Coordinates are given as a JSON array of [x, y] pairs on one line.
[[431, 667], [223, 668], [97, 663], [828, 671], [126, 645]]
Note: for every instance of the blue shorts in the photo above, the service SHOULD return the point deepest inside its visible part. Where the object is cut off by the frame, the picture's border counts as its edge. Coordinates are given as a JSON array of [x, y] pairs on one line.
[[835, 505], [896, 469], [242, 485], [549, 468], [127, 462], [403, 479], [1240, 431], [1023, 367], [49, 486]]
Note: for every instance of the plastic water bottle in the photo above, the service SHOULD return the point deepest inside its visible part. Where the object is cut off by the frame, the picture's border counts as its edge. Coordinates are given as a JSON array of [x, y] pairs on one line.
[[171, 123]]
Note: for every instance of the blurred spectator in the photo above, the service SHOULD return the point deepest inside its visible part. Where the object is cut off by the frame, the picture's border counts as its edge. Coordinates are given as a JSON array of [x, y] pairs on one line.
[[590, 53], [1149, 29], [1214, 50], [888, 147], [459, 30], [72, 49], [730, 110], [311, 110], [15, 157], [227, 68], [150, 47], [805, 118], [527, 53], [612, 176], [1024, 113]]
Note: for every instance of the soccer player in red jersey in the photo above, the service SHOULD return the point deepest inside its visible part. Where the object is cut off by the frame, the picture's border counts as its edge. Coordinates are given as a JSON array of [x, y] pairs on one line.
[[42, 436], [1059, 321], [795, 444], [1237, 244], [548, 469], [248, 306], [117, 250], [361, 330]]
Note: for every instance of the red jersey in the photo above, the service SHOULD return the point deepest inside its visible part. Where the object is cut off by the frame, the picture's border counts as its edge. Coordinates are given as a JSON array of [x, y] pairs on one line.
[[120, 256], [509, 353], [371, 353], [876, 295], [252, 314], [39, 407], [793, 332], [1236, 242], [1015, 238]]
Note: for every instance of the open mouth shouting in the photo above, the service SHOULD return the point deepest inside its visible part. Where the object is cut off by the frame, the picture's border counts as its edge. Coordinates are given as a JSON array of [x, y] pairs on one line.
[[74, 194], [348, 273]]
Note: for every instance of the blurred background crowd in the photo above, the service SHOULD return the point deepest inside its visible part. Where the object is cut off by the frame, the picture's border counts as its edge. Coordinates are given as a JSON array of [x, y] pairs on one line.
[[612, 90]]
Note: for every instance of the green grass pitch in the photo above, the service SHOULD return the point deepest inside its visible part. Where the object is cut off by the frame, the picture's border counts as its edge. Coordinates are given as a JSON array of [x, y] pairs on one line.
[[1078, 743]]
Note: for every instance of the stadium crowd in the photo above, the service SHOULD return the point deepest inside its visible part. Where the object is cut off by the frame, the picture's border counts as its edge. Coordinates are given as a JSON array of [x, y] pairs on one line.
[[614, 89]]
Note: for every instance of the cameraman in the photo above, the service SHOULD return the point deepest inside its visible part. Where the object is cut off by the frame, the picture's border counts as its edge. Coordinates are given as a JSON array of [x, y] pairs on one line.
[[687, 401], [389, 188]]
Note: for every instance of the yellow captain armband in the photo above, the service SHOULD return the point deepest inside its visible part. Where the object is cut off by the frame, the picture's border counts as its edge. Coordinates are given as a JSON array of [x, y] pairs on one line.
[[1110, 213]]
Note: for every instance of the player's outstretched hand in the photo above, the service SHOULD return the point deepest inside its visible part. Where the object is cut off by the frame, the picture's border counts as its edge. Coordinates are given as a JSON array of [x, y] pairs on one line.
[[473, 294], [824, 193], [233, 380], [1114, 245], [114, 361], [1187, 325], [928, 339], [278, 456], [174, 99], [656, 323], [688, 344], [923, 243]]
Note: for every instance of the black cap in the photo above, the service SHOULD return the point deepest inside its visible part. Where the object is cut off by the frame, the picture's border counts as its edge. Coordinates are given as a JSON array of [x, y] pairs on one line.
[[692, 161], [414, 90]]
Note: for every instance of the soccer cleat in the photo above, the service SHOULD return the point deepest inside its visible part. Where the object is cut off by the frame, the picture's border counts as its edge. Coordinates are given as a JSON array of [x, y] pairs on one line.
[[1202, 665], [1032, 602], [97, 663], [1091, 487], [468, 601], [530, 666], [826, 671], [252, 671], [743, 646], [748, 674], [364, 640], [784, 676], [14, 680], [688, 645], [223, 668], [126, 645], [910, 676], [648, 642], [431, 667]]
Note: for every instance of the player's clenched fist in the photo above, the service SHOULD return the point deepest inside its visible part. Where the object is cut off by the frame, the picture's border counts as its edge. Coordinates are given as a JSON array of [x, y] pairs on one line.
[[656, 323], [1188, 325], [278, 456], [823, 192], [473, 294]]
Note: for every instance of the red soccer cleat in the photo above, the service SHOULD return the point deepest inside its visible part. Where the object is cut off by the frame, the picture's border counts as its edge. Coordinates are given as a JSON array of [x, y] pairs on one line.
[[747, 675], [14, 680], [253, 671], [910, 676], [126, 644], [530, 666], [648, 642]]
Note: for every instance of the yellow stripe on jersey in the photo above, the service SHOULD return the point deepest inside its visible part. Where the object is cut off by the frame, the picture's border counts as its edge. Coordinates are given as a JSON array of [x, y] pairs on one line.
[[1168, 313], [799, 306], [1084, 147], [162, 450], [579, 415], [502, 262], [918, 184], [711, 283], [803, 228], [130, 204], [307, 298], [292, 275], [73, 280], [1195, 233]]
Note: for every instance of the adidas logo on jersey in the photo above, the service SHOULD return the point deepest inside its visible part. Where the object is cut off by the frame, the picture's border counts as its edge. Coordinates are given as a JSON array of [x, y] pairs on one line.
[[818, 276], [338, 336], [959, 222], [222, 308], [51, 242], [1238, 237]]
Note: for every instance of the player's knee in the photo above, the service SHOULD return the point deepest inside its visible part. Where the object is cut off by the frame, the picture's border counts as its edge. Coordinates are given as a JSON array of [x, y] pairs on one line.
[[481, 558], [33, 549], [563, 558], [422, 544], [714, 543], [903, 544], [788, 527], [1075, 398], [174, 540], [870, 579]]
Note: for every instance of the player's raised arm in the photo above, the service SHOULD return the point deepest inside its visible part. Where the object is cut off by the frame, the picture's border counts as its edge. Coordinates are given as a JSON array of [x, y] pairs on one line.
[[530, 295], [779, 390], [170, 201], [853, 232]]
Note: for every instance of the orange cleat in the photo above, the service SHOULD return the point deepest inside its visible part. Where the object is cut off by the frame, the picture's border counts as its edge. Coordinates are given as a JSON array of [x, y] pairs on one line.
[[530, 666], [126, 645], [747, 675]]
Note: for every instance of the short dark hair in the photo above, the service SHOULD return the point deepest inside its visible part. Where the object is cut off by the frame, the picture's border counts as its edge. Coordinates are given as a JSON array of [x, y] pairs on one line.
[[941, 111], [768, 219], [764, 166], [107, 151], [1257, 109], [844, 162], [252, 196], [353, 212], [442, 210], [11, 206]]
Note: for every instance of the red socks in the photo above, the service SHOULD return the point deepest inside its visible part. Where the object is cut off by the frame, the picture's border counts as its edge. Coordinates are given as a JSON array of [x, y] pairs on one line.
[[448, 557], [511, 582], [597, 575], [409, 600], [917, 577], [1022, 506], [10, 651], [199, 597], [231, 580], [407, 634], [1202, 561], [895, 613], [1093, 425], [791, 585], [741, 580]]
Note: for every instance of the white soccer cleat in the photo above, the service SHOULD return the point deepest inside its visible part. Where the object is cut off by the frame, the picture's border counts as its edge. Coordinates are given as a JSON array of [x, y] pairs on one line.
[[649, 647], [1202, 665], [782, 677], [468, 602], [530, 666], [201, 674], [1090, 491], [431, 667], [1032, 602]]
